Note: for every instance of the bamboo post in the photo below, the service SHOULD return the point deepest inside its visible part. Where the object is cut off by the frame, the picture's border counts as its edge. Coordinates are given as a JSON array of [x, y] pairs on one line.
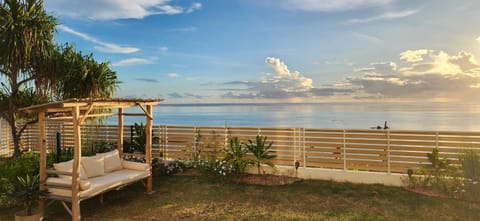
[[120, 132], [148, 148], [77, 134], [43, 156]]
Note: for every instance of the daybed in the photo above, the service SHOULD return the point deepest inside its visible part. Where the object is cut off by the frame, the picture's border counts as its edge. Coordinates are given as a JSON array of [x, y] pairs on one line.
[[98, 174]]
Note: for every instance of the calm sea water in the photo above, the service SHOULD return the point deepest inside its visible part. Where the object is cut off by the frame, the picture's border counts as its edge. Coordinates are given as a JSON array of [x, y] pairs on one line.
[[402, 116]]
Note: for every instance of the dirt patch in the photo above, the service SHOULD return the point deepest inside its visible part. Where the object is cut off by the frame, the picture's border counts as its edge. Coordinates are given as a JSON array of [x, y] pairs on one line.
[[264, 179]]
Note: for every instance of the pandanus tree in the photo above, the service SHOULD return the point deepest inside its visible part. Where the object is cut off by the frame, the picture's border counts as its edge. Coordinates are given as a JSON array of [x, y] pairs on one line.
[[26, 39], [34, 70]]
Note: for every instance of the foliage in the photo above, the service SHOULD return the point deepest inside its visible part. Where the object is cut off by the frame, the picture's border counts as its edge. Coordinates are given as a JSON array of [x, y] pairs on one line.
[[459, 182], [139, 141], [26, 165], [470, 187], [27, 191], [83, 76], [261, 151], [213, 167], [236, 155], [6, 188], [26, 40], [140, 138], [471, 164], [34, 70]]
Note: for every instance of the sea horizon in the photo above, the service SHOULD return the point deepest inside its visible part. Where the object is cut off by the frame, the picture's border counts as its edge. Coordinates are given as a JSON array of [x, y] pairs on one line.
[[434, 116]]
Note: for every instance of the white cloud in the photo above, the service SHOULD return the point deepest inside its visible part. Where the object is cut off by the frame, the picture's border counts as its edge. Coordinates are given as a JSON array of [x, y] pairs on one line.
[[280, 84], [382, 17], [134, 61], [117, 9], [194, 7], [103, 46], [331, 5], [285, 79], [413, 55], [173, 75], [428, 75], [478, 39]]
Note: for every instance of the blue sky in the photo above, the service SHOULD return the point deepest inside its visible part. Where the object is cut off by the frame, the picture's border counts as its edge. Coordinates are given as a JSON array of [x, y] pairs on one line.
[[194, 51]]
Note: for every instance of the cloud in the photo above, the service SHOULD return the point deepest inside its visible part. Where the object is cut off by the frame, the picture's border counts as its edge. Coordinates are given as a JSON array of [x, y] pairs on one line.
[[285, 79], [384, 16], [194, 7], [120, 9], [413, 55], [176, 95], [103, 46], [281, 84], [173, 75], [331, 5], [428, 74], [193, 95], [134, 61], [149, 80]]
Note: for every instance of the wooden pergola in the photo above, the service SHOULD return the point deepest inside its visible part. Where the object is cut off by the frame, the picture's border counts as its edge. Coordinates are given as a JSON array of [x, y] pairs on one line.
[[78, 110]]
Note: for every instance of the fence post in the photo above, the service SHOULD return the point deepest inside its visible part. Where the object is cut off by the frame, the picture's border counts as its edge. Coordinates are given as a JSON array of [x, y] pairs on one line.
[[295, 145], [195, 143], [388, 152], [344, 150], [304, 153], [166, 141]]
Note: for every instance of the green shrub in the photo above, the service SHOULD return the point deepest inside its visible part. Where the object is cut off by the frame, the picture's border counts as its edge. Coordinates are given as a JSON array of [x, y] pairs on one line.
[[235, 155], [461, 182], [261, 151], [27, 164]]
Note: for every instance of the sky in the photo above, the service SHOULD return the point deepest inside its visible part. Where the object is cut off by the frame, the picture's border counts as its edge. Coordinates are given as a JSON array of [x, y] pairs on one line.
[[247, 51]]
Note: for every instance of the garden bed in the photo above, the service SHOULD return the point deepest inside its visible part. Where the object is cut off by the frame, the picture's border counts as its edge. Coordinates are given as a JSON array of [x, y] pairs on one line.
[[255, 179]]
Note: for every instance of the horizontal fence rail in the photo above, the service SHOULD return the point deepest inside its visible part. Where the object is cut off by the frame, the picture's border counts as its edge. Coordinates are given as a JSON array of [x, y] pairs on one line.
[[390, 151]]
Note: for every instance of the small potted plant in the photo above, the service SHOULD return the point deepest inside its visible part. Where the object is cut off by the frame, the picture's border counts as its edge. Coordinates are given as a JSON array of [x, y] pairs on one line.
[[27, 192]]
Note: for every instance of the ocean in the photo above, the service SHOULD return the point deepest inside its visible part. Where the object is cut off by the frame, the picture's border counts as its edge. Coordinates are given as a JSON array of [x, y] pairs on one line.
[[400, 116]]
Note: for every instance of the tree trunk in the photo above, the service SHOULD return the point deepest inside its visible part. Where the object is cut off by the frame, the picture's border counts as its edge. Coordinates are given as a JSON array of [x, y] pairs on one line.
[[16, 140], [12, 119]]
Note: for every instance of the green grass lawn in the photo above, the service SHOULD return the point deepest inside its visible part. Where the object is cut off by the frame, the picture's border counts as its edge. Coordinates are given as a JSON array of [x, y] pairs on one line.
[[198, 198]]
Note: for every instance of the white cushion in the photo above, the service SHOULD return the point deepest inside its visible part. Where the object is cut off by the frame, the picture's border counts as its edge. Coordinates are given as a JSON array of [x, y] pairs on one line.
[[135, 165], [112, 161], [84, 184], [94, 166], [101, 183], [67, 167]]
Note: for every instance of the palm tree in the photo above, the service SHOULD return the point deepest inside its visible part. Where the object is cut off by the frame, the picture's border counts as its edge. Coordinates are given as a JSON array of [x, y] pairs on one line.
[[262, 152], [26, 39]]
